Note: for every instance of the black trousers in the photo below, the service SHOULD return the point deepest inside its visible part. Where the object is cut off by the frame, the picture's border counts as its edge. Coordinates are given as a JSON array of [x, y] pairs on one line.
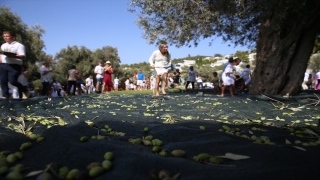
[[70, 84], [10, 73], [59, 92], [45, 88]]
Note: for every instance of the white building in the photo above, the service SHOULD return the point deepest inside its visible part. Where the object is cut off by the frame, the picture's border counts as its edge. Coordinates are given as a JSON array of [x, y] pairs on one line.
[[252, 57], [185, 63], [219, 62]]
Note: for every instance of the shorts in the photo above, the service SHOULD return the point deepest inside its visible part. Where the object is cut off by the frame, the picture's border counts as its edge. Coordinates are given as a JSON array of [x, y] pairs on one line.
[[247, 81], [99, 80], [115, 85], [140, 83]]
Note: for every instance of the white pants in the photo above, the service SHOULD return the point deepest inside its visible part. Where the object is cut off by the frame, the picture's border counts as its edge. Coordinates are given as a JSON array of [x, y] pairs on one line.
[[13, 90]]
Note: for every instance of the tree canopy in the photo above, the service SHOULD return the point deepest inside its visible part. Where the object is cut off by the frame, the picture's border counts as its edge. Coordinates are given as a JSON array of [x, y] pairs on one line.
[[84, 59]]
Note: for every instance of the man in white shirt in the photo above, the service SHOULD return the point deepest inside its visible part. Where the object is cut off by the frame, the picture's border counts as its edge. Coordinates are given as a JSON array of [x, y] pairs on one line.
[[89, 84], [99, 71], [46, 78], [10, 63], [116, 84]]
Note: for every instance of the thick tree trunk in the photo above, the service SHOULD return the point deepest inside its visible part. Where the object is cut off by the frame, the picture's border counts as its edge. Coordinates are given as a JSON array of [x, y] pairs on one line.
[[282, 55]]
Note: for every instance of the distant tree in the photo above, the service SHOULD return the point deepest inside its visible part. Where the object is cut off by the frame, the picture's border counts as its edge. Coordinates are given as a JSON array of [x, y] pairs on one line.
[[282, 31], [316, 48], [217, 55], [84, 59], [243, 55], [213, 60], [315, 62], [72, 55], [253, 51]]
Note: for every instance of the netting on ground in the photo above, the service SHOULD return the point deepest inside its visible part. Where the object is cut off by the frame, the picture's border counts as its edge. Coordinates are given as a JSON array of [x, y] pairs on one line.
[[261, 127]]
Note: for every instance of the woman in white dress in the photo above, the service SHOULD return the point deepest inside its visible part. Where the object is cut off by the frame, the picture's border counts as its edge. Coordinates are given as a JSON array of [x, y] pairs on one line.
[[160, 61], [228, 77]]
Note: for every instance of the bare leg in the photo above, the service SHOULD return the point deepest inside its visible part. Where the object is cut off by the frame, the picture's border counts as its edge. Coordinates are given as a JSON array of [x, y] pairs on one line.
[[222, 90], [231, 90], [164, 82], [97, 86], [188, 82], [156, 86], [107, 89], [103, 87]]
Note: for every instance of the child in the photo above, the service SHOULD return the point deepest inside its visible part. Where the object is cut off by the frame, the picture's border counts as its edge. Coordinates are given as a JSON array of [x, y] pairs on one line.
[[216, 84], [192, 74]]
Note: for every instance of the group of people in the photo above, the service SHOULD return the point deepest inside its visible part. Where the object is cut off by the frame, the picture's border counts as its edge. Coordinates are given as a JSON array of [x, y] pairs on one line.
[[161, 63], [14, 75], [104, 79], [232, 80]]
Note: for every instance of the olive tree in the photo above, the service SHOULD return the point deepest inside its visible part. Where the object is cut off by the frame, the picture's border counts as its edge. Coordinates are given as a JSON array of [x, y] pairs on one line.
[[283, 33]]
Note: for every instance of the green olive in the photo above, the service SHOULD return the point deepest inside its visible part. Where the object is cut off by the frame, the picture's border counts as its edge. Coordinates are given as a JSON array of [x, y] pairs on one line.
[[108, 156], [178, 153]]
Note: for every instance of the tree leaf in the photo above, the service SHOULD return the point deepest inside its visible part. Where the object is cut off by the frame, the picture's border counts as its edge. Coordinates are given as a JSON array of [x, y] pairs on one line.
[[311, 132], [300, 148], [33, 173], [295, 109], [287, 141], [234, 156]]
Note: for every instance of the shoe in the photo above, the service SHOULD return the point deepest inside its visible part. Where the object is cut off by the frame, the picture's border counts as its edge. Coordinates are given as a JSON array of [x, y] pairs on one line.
[[26, 94]]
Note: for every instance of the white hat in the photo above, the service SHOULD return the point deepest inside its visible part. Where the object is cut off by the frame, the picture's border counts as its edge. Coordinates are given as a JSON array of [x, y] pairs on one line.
[[108, 62]]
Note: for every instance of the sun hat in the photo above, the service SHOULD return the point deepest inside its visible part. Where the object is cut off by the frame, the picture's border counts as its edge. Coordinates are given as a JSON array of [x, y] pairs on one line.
[[108, 62]]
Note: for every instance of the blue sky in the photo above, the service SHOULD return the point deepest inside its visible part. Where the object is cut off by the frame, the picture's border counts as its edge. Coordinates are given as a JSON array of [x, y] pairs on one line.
[[98, 23]]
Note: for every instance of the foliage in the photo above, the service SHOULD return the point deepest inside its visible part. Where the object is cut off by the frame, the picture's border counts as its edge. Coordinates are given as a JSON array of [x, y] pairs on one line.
[[315, 62], [316, 48], [243, 55], [30, 37], [235, 21], [84, 59]]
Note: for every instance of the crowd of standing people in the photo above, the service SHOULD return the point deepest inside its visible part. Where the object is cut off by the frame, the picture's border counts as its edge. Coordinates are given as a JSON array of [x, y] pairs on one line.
[[15, 83]]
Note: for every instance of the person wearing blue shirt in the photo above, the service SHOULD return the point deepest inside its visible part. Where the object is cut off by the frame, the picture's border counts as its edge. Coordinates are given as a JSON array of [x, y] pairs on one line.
[[141, 78]]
